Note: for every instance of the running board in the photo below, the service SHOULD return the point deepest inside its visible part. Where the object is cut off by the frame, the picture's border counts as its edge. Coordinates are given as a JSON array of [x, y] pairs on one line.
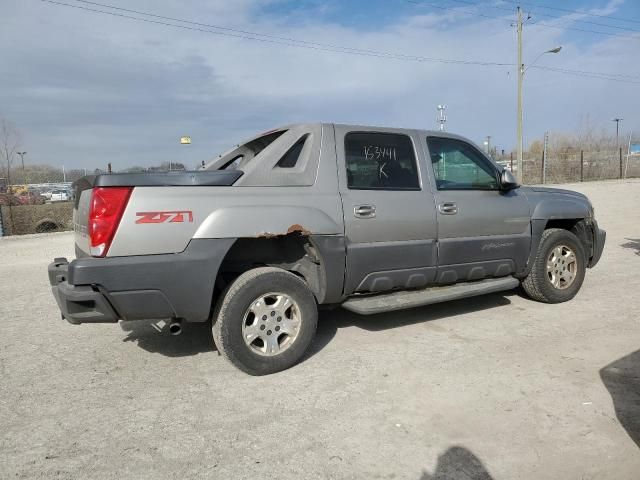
[[385, 302]]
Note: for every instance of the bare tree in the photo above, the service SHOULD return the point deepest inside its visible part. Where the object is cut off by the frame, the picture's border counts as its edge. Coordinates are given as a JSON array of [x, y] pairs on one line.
[[9, 144]]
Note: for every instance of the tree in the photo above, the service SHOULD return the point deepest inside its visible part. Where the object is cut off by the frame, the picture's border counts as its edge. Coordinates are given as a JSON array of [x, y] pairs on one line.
[[9, 143]]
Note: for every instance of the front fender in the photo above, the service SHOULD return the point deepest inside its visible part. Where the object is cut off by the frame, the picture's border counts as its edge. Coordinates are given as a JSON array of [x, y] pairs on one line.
[[561, 208]]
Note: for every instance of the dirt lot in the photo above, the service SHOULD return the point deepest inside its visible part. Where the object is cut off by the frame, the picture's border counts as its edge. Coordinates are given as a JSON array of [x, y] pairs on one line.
[[492, 387]]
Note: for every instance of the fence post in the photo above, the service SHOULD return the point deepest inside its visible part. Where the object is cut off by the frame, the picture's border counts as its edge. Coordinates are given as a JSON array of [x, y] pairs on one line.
[[620, 162], [581, 165], [512, 161], [542, 169]]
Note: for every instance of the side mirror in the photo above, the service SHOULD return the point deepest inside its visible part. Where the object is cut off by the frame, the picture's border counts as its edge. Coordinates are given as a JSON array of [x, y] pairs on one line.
[[508, 181]]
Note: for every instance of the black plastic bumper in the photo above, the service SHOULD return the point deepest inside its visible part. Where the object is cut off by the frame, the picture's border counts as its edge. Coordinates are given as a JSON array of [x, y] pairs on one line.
[[599, 238], [78, 304], [103, 290]]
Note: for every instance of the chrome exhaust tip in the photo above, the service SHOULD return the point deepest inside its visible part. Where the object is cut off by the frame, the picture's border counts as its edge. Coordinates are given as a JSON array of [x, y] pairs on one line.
[[175, 327]]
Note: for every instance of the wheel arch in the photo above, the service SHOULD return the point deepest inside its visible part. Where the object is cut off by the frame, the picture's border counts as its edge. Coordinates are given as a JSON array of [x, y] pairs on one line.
[[580, 226], [317, 259]]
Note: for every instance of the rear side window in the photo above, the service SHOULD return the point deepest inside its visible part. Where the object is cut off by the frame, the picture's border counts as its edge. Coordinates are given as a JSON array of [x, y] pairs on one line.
[[290, 158], [380, 161], [260, 143]]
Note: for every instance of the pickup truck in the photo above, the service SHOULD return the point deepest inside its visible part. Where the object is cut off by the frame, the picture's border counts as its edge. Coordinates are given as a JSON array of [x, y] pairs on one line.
[[372, 219]]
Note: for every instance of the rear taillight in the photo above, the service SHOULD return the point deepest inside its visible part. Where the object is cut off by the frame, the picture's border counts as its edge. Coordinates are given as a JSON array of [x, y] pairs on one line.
[[107, 207]]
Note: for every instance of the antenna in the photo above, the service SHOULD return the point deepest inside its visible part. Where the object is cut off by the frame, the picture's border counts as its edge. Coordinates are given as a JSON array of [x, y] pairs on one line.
[[442, 116]]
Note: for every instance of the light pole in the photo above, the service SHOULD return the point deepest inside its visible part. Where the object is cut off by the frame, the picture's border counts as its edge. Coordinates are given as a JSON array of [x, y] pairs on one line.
[[22, 154], [617, 120], [487, 142], [521, 71]]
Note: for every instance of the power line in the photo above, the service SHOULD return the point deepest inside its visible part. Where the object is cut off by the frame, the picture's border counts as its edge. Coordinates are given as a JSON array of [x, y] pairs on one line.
[[560, 17], [566, 10], [292, 42], [579, 73], [260, 37], [545, 25], [457, 9], [586, 72]]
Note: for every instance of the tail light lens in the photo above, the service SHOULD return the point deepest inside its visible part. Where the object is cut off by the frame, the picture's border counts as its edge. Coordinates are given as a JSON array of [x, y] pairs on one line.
[[105, 212]]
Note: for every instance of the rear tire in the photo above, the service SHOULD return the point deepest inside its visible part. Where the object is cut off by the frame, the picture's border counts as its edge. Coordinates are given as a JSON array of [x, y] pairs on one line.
[[558, 270], [265, 321]]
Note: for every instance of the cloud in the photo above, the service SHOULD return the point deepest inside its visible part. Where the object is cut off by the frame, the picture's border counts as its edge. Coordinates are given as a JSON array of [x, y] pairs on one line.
[[87, 89]]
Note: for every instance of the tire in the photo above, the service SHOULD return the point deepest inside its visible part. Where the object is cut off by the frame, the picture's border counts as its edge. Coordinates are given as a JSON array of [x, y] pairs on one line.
[[241, 311], [543, 283]]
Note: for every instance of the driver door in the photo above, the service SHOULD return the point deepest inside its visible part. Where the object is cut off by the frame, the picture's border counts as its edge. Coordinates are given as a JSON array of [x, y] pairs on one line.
[[483, 231]]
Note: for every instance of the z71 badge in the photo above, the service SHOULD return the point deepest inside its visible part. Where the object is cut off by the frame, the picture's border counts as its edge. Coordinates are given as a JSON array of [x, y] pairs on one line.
[[178, 216]]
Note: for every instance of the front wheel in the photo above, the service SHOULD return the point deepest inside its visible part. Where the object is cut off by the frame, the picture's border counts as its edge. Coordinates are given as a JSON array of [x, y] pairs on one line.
[[265, 321], [558, 270]]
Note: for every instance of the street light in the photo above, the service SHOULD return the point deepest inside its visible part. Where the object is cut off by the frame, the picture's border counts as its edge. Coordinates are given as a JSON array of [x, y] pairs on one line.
[[617, 120], [22, 154], [521, 71]]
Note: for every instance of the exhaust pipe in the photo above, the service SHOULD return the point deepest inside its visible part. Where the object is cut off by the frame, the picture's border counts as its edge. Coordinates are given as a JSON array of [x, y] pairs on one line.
[[175, 327]]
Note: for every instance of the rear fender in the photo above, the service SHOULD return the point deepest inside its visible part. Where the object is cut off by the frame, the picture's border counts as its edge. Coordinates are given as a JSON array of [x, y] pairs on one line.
[[266, 222]]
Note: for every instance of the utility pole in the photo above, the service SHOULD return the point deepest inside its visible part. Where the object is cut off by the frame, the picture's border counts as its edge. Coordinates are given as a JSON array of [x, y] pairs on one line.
[[519, 173], [544, 158], [617, 120]]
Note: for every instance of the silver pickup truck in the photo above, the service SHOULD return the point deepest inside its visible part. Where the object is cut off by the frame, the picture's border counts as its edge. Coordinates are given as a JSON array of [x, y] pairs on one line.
[[372, 219]]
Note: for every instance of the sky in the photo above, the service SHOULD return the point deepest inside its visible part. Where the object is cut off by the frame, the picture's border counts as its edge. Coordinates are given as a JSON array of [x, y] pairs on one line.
[[87, 88]]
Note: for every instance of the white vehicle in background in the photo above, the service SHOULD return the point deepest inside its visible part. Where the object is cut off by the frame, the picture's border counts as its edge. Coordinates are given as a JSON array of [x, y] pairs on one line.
[[60, 196], [47, 195]]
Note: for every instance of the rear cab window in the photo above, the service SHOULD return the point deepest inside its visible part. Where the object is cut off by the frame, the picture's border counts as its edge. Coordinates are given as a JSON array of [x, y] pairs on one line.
[[380, 161]]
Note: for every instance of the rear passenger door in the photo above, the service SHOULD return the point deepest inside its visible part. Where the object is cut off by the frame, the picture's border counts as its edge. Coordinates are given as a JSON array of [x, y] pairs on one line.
[[483, 231], [389, 212]]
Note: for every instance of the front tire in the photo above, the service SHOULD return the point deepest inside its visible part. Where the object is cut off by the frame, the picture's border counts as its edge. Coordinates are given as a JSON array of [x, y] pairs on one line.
[[558, 270], [265, 321]]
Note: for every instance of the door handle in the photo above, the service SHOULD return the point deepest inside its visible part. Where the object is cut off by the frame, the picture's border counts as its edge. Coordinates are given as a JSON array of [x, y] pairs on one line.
[[364, 211], [448, 208]]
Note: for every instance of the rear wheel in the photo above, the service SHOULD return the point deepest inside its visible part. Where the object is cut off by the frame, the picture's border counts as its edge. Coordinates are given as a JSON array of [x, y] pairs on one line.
[[265, 321], [558, 270]]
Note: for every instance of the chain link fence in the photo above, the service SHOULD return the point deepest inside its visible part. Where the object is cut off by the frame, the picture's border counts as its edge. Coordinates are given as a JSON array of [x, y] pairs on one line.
[[581, 166]]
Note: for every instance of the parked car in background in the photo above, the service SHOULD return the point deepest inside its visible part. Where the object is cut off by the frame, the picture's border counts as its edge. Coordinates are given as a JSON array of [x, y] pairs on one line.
[[47, 194], [7, 199], [31, 198], [60, 196]]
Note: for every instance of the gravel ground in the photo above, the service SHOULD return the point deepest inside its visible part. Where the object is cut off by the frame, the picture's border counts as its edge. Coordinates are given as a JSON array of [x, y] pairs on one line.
[[491, 387]]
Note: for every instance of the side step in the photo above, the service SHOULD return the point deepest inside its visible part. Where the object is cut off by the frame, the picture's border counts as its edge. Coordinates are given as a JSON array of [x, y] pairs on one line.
[[385, 302]]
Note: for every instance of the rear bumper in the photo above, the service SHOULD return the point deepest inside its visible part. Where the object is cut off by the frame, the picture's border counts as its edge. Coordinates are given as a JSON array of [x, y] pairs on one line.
[[78, 304], [103, 290], [599, 238]]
